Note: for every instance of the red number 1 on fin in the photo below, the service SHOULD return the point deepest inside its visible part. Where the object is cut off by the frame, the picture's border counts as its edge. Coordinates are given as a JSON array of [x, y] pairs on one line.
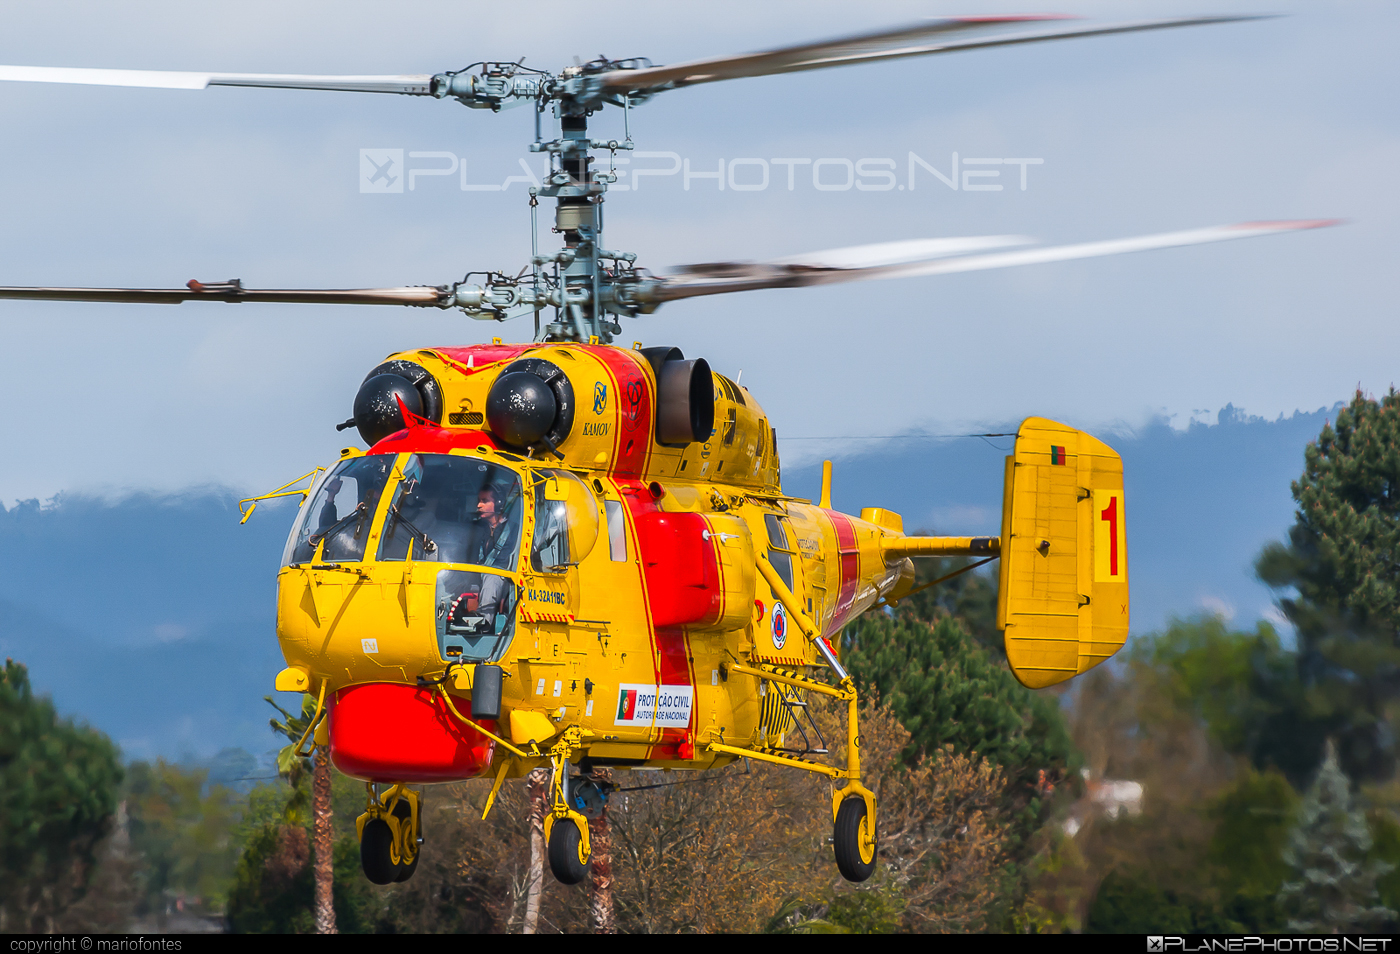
[[1110, 513]]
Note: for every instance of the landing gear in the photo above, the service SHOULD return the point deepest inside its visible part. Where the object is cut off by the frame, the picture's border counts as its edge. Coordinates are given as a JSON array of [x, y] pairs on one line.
[[391, 832], [566, 857], [854, 839], [565, 829]]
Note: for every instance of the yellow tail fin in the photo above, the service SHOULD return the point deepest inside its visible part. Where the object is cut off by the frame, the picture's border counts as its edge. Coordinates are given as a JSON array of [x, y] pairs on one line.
[[1063, 601]]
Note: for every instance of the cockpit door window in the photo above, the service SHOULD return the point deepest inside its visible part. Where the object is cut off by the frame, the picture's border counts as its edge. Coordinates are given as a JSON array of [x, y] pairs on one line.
[[780, 550]]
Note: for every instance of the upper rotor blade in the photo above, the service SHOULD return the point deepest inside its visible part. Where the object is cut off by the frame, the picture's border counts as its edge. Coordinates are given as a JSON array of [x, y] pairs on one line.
[[420, 295], [799, 271], [937, 36], [417, 84]]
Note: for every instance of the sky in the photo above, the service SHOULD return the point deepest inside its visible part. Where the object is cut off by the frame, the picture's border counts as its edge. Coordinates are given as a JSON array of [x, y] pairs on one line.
[[1292, 117]]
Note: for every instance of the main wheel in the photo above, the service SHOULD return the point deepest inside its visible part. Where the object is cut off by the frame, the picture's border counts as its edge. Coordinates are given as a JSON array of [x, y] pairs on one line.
[[404, 814], [565, 846], [850, 817], [375, 846]]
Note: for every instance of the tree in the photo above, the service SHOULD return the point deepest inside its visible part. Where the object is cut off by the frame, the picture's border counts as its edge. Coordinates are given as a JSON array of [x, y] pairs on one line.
[[1341, 562], [180, 836], [946, 690], [290, 880], [293, 767], [1335, 886], [969, 597], [1202, 848], [59, 781], [272, 890]]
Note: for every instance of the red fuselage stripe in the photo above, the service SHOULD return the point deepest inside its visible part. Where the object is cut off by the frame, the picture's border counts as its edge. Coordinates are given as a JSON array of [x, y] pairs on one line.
[[849, 563], [632, 391], [670, 650]]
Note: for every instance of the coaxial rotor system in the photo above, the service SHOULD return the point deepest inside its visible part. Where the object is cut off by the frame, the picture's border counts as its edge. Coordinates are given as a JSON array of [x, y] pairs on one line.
[[589, 287]]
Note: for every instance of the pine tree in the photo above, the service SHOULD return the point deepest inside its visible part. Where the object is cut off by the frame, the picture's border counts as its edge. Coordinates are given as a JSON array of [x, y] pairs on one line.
[[1335, 886], [948, 690], [1339, 578]]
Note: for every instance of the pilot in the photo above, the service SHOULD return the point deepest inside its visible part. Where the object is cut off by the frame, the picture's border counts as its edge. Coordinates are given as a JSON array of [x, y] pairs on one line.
[[328, 514], [494, 546]]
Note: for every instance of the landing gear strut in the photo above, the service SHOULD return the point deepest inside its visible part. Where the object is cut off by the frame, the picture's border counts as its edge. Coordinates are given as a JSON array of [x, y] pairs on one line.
[[565, 829], [391, 834]]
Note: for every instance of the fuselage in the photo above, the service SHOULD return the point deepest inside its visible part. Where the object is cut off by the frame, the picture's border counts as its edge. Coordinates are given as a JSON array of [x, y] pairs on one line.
[[612, 575]]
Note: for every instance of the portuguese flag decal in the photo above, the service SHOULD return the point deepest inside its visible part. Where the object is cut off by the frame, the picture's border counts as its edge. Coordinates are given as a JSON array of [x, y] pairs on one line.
[[1057, 454], [626, 705]]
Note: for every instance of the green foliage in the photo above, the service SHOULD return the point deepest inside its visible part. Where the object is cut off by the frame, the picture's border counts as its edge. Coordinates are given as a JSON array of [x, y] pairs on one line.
[[1132, 902], [1253, 818], [1340, 561], [1347, 533], [1385, 849], [1216, 673], [272, 892], [1242, 684], [272, 889], [1334, 887], [182, 835], [59, 782], [876, 911], [947, 690], [294, 768], [970, 597]]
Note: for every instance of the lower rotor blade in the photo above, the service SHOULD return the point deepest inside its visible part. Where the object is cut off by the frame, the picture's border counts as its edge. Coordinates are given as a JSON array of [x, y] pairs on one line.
[[419, 295], [415, 84], [1064, 253]]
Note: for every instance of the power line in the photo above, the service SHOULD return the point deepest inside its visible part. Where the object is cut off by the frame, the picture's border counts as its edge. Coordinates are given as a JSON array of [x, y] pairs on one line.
[[896, 436]]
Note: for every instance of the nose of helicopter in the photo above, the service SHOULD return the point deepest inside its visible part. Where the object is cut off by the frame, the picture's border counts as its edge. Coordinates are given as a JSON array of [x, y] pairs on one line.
[[392, 732]]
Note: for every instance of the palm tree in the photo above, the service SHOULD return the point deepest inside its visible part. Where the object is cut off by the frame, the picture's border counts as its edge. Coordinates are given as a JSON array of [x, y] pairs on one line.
[[294, 768]]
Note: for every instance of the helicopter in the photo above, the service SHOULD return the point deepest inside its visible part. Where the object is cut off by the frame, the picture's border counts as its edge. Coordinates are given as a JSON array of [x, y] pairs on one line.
[[567, 554]]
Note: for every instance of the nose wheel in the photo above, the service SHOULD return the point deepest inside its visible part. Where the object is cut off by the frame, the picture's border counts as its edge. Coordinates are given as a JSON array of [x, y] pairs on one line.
[[391, 835]]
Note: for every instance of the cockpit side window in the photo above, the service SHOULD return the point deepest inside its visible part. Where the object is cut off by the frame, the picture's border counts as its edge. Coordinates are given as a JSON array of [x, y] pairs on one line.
[[566, 521], [550, 550], [779, 547], [341, 512]]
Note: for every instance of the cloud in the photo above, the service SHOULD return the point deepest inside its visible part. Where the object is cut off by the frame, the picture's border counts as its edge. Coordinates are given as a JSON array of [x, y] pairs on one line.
[[1217, 606], [170, 632]]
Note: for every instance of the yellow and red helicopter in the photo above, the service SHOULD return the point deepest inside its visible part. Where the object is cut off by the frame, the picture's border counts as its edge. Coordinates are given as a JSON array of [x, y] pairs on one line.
[[569, 554]]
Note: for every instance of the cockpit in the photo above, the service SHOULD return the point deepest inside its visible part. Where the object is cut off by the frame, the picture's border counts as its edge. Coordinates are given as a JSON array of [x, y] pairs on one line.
[[462, 511]]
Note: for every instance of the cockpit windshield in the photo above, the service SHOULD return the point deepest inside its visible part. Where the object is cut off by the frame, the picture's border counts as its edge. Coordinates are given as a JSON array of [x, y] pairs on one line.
[[341, 512], [454, 510]]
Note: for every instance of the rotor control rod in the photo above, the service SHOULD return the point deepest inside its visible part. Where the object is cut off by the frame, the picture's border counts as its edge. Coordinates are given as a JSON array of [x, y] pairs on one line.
[[941, 546]]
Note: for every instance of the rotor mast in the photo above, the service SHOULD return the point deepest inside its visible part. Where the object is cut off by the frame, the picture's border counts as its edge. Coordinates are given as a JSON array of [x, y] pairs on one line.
[[586, 297], [578, 218]]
